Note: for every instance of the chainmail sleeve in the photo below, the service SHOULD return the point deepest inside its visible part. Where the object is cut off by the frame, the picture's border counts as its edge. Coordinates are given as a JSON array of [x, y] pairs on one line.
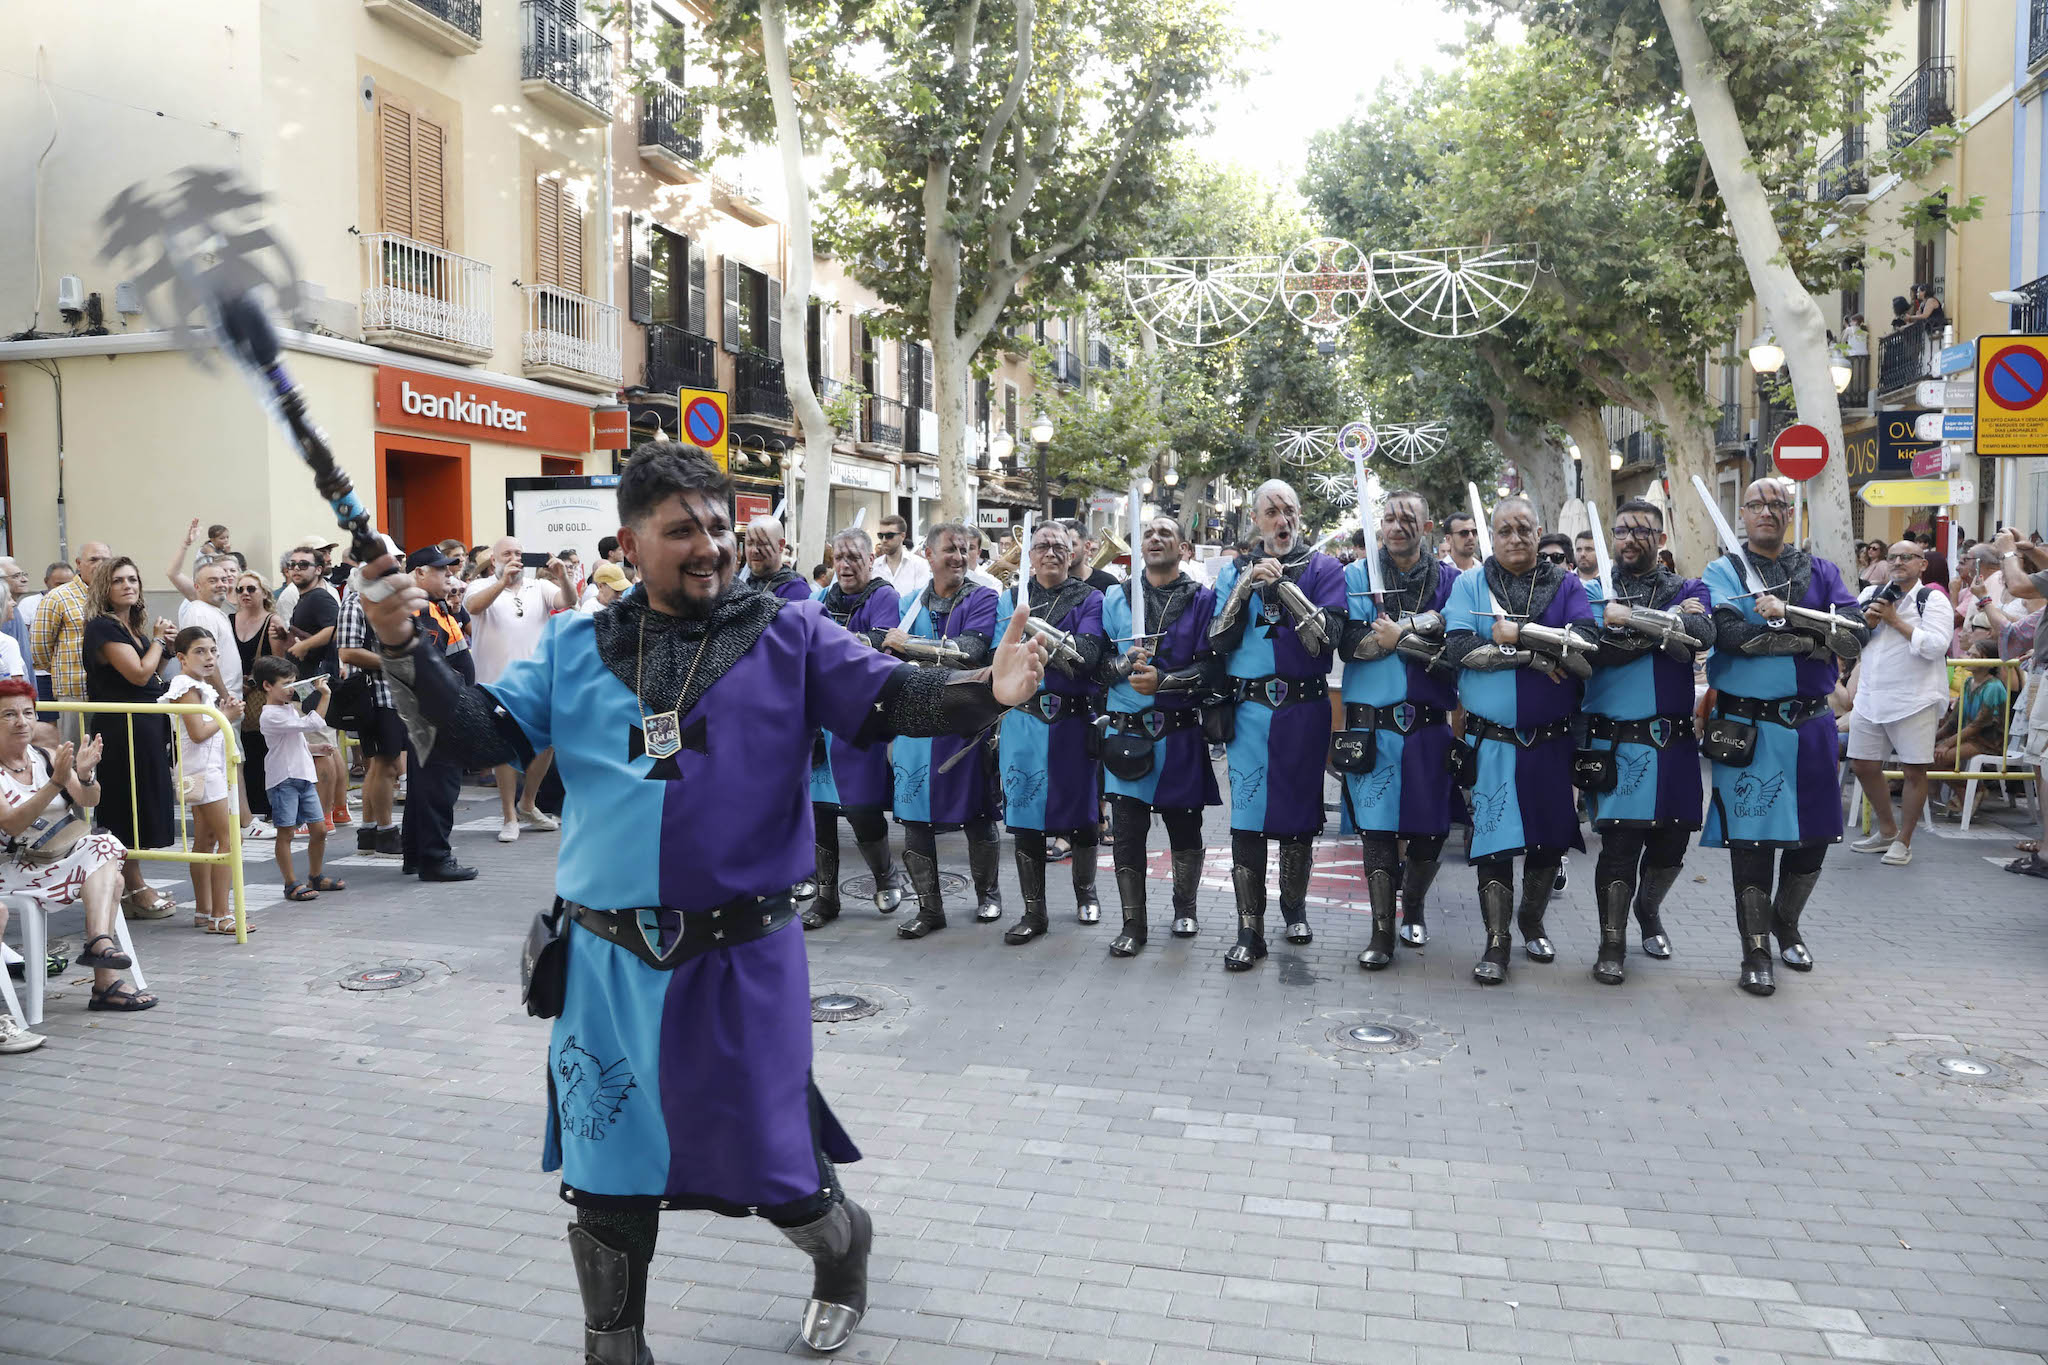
[[922, 702], [1090, 648], [449, 720]]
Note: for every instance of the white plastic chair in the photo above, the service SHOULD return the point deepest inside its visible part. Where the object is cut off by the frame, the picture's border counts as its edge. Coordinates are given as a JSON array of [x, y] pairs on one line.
[[2014, 759], [34, 912], [7, 956]]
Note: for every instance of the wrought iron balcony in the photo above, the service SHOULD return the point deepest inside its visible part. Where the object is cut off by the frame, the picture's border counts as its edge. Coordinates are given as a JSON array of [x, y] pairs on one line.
[[1907, 356], [1728, 428], [1841, 170], [425, 298], [565, 63], [2037, 33], [677, 359], [1066, 366], [665, 116], [455, 27], [882, 423], [1100, 356], [2030, 315], [758, 389], [1856, 397], [1925, 99], [1635, 448], [570, 338]]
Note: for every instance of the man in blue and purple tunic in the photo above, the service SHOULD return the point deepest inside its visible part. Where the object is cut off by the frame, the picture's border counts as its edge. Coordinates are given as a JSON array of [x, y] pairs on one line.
[[1153, 752], [1279, 610], [679, 1073], [1394, 752], [1051, 784], [849, 778], [1520, 630], [1642, 777], [765, 569], [948, 623], [1772, 734]]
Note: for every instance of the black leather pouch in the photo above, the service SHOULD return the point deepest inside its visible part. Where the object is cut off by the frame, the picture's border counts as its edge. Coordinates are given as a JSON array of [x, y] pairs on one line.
[[1127, 756], [1730, 741], [1463, 758], [1595, 771], [1354, 752], [1219, 721], [544, 963]]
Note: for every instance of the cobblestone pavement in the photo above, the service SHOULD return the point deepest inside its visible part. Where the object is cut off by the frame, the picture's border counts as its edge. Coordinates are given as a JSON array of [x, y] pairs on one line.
[[1077, 1158]]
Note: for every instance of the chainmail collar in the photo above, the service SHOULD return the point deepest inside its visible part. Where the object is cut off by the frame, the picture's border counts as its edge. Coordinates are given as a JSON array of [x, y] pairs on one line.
[[1524, 597], [1163, 606], [841, 607], [1408, 590], [1054, 605], [1291, 564], [942, 607], [1653, 589], [775, 580], [673, 641], [1792, 570]]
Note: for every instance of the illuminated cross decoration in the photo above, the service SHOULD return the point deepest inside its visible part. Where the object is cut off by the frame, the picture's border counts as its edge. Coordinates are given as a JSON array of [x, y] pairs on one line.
[[1325, 284]]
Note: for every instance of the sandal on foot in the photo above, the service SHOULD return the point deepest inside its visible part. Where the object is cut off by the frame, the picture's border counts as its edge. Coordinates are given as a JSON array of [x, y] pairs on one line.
[[219, 924], [323, 883], [121, 998], [2027, 846], [2033, 865], [117, 960], [299, 891], [163, 907]]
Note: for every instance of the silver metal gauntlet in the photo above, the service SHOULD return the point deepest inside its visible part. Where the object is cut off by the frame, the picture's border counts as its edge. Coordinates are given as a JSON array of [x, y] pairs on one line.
[[943, 653], [1059, 645], [1559, 646], [1495, 658], [1233, 608], [1665, 629], [1778, 644], [1309, 621]]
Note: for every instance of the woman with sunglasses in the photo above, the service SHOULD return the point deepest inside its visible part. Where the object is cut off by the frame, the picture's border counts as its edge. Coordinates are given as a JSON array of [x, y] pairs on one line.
[[258, 630]]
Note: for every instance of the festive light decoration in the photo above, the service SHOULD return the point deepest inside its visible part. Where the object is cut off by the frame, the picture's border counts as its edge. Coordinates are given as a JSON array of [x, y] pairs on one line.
[[1412, 443], [1304, 445]]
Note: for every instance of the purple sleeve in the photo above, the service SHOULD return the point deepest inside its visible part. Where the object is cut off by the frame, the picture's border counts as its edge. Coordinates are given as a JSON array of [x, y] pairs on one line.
[[1328, 590], [1693, 590], [1576, 606], [1087, 618], [978, 614], [1446, 575], [843, 674], [1827, 590]]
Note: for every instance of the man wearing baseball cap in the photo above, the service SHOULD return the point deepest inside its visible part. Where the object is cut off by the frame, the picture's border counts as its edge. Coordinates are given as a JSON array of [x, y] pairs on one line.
[[610, 582], [433, 785]]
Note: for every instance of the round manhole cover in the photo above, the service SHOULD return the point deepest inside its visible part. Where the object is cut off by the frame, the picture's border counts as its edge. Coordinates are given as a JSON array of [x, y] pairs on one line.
[[837, 1007], [1374, 1035], [861, 889], [381, 978], [1968, 1068]]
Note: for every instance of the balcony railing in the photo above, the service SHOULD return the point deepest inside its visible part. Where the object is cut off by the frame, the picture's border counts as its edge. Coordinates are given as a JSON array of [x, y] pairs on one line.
[[1925, 99], [1857, 396], [1907, 355], [571, 337], [2037, 33], [1100, 356], [664, 114], [882, 423], [425, 298], [1841, 170], [1635, 448], [2030, 315], [677, 359], [1066, 366], [1728, 428], [562, 52], [757, 388], [455, 27]]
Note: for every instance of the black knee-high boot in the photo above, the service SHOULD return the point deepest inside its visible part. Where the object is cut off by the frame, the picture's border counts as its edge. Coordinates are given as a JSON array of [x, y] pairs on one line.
[[1496, 910], [1031, 887], [983, 857], [1130, 890], [1248, 880], [1656, 884], [611, 1253], [1793, 890], [1539, 879], [1297, 860], [1087, 908], [1753, 918], [888, 878], [1416, 876], [1614, 896], [824, 907], [923, 871], [837, 1242], [1376, 852], [1187, 879]]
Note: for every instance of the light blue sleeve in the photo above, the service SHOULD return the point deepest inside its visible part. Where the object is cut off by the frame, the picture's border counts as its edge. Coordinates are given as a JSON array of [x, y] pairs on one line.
[[1358, 592], [1467, 600], [526, 689]]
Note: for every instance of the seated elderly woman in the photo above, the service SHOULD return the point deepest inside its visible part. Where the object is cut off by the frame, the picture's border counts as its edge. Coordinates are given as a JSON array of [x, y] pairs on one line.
[[46, 801]]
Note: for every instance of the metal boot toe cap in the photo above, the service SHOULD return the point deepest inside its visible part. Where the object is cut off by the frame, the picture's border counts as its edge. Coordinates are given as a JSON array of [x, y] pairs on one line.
[[1539, 949], [1657, 945], [1184, 927], [828, 1326], [1299, 932], [1797, 958], [1415, 935]]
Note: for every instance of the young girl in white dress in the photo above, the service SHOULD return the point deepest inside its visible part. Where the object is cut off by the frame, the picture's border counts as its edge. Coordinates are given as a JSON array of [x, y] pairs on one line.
[[202, 774]]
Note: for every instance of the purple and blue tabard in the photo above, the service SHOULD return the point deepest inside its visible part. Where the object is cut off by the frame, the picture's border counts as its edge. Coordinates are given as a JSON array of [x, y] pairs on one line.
[[1282, 726], [1049, 781], [848, 776], [787, 584], [1523, 798], [1181, 776], [1788, 794], [1657, 766], [688, 1087], [1408, 790], [926, 789]]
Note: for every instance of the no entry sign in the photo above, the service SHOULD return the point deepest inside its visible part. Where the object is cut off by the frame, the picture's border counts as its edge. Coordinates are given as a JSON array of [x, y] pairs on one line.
[[1800, 452]]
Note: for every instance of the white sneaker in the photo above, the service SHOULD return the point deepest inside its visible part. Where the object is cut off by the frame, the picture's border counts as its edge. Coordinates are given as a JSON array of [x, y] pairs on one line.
[[260, 828], [540, 820], [15, 1038], [1872, 843], [508, 832], [1898, 855]]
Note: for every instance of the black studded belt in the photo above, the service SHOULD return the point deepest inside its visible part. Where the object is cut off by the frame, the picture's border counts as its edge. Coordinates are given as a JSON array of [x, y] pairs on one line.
[[1508, 734], [1055, 706], [1274, 691], [1790, 712], [665, 939], [1154, 724], [1655, 731], [1402, 717]]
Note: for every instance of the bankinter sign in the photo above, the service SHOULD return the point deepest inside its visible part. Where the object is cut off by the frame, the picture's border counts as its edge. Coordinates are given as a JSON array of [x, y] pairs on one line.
[[415, 401]]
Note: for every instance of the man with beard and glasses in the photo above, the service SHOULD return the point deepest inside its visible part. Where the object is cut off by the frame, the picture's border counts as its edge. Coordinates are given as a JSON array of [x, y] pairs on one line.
[[1279, 608], [1771, 734], [1051, 782], [1155, 757], [1394, 753], [765, 567], [679, 1072], [850, 777], [1641, 771], [950, 623], [1520, 631]]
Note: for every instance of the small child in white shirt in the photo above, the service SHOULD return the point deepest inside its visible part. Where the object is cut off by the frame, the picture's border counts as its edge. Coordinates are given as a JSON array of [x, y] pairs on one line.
[[287, 725], [203, 774]]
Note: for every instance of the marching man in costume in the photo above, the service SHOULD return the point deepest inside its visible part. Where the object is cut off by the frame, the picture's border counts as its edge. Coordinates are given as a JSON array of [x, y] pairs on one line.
[[1782, 620], [1394, 751], [1050, 783], [846, 778], [1279, 610], [1520, 630], [1153, 749], [679, 1070], [949, 623], [765, 569], [1642, 774]]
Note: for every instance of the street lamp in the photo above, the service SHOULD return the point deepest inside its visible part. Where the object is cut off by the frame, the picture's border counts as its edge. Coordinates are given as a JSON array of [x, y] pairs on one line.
[[1172, 477], [1041, 437], [1614, 459], [1839, 371], [1767, 356], [1002, 446]]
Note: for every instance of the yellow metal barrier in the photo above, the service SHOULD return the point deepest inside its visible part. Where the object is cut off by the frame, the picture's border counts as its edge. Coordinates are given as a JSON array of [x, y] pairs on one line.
[[184, 853], [2001, 774]]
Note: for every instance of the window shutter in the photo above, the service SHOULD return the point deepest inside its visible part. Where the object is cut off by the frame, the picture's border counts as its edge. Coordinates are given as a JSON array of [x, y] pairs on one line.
[[981, 403], [906, 373], [569, 263], [429, 182], [857, 353], [774, 311], [1010, 408], [924, 376], [824, 341], [640, 271], [547, 245], [394, 174], [697, 319], [730, 337]]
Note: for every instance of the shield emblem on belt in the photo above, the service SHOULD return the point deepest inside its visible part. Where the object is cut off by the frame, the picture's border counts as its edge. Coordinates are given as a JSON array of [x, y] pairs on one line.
[[1276, 692], [1052, 703], [1524, 737], [1660, 733], [1788, 714], [1155, 724], [648, 922], [1404, 717]]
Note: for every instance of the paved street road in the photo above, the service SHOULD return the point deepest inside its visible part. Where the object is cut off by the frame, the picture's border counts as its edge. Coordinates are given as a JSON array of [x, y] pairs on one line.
[[1076, 1158]]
